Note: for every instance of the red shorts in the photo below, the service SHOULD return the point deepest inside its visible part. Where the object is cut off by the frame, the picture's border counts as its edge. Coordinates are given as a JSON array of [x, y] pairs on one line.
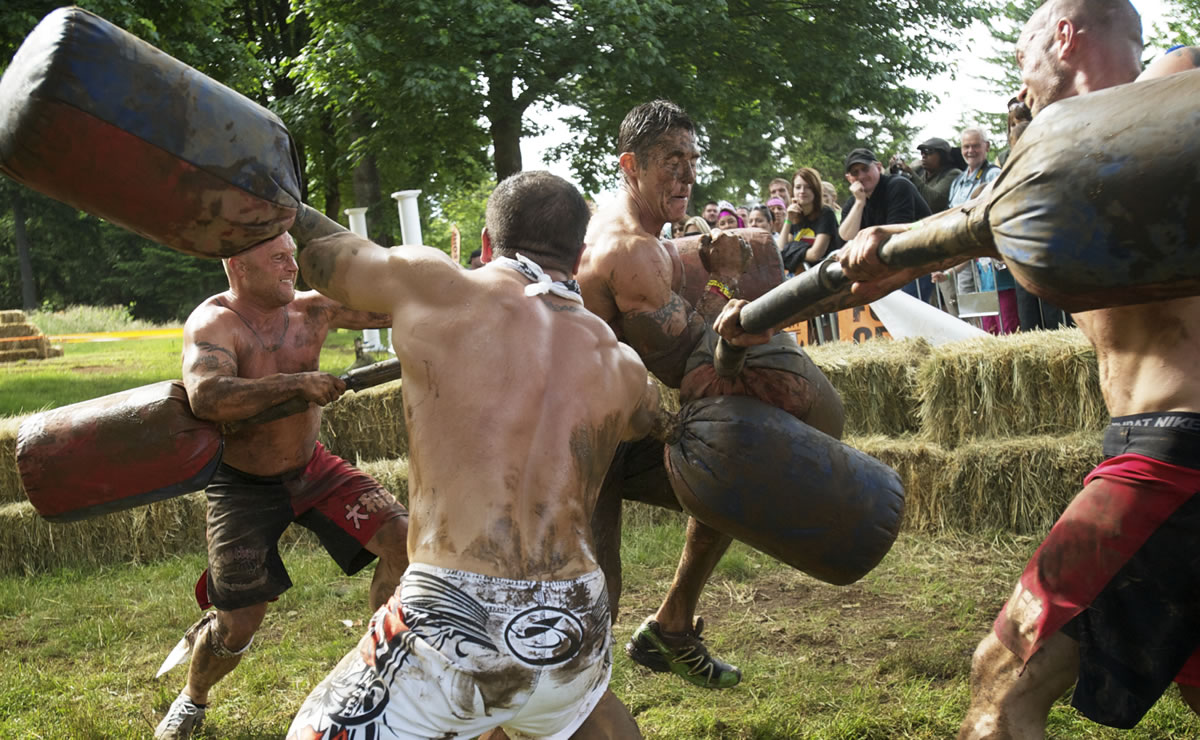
[[1116, 573], [247, 514]]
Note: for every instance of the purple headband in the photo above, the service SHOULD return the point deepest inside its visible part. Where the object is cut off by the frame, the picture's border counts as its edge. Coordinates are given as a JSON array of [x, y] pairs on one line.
[[776, 202]]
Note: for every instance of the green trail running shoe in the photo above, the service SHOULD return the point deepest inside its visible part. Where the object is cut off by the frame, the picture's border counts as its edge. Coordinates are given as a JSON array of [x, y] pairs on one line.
[[680, 653]]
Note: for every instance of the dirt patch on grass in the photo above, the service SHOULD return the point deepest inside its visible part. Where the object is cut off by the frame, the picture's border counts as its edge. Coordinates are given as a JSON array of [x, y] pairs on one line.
[[95, 369]]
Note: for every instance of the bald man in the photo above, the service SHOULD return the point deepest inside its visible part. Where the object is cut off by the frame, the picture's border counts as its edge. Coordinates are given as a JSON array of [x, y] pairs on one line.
[[1107, 603]]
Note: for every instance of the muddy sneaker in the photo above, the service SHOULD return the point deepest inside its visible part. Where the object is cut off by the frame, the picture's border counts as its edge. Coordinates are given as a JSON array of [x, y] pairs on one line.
[[680, 653], [183, 718]]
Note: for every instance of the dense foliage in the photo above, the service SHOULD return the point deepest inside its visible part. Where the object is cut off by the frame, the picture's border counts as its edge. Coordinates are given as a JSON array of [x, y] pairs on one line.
[[382, 95]]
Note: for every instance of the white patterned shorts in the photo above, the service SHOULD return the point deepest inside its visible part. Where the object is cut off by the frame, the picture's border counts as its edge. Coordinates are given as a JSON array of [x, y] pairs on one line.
[[455, 654]]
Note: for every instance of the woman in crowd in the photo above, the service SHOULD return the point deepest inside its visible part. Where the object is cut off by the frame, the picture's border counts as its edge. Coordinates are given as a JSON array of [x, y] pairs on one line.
[[778, 208], [695, 226], [810, 227], [760, 218], [831, 199], [727, 217]]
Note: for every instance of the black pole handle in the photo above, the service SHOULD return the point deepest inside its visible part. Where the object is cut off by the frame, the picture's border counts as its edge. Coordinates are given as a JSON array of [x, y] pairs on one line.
[[355, 380]]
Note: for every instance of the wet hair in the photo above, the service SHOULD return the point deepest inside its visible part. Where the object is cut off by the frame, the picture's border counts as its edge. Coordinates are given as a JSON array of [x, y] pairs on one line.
[[812, 178], [645, 125], [540, 215]]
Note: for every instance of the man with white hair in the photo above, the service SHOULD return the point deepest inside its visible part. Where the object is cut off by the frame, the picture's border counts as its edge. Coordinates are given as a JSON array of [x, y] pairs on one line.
[[975, 145]]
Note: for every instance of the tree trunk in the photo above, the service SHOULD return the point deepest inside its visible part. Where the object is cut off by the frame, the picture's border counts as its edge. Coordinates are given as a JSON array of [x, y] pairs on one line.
[[505, 115], [28, 291], [368, 191]]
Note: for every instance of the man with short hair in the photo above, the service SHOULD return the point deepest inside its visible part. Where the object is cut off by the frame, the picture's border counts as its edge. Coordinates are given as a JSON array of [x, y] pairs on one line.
[[1108, 602], [710, 213], [244, 351], [975, 145], [878, 199], [502, 618], [633, 280], [780, 188]]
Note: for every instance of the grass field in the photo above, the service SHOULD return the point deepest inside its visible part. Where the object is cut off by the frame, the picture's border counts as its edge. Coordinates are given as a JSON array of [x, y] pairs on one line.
[[887, 657], [92, 369]]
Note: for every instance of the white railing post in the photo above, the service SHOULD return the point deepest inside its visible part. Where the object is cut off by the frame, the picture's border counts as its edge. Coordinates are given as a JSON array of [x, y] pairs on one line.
[[410, 217], [358, 224]]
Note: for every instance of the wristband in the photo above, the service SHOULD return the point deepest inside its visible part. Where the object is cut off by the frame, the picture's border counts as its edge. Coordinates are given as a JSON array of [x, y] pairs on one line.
[[716, 286]]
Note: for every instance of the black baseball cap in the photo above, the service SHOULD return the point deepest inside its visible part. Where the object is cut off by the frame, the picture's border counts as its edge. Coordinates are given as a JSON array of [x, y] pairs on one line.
[[859, 156]]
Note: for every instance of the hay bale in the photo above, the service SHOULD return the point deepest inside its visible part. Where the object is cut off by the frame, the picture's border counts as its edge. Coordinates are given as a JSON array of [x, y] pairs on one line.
[[922, 467], [13, 355], [30, 544], [876, 382], [10, 478], [1018, 485], [367, 425], [1028, 384], [12, 316], [18, 329], [392, 474], [39, 344]]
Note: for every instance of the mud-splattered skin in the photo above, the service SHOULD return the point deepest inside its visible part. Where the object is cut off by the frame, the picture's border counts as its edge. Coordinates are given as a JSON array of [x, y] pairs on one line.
[[258, 345], [514, 404], [1147, 355], [629, 277]]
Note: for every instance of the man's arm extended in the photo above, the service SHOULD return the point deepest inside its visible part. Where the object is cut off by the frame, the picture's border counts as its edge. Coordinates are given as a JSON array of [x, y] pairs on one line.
[[363, 276]]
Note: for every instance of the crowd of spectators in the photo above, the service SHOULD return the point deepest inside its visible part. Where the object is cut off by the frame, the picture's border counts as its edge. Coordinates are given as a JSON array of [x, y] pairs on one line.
[[808, 223]]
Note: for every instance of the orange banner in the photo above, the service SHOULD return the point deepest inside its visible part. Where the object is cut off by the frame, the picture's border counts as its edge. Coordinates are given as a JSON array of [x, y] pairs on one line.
[[860, 324]]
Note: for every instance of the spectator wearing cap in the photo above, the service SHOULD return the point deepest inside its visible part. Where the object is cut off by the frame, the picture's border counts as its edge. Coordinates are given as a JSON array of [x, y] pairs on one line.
[[935, 174], [879, 199]]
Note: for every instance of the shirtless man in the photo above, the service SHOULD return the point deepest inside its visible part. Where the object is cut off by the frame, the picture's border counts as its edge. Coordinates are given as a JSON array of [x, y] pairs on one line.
[[501, 620], [244, 351], [1108, 601], [632, 280]]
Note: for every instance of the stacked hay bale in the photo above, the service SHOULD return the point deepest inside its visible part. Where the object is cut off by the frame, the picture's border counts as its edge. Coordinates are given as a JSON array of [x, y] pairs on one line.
[[989, 434], [995, 433], [20, 340]]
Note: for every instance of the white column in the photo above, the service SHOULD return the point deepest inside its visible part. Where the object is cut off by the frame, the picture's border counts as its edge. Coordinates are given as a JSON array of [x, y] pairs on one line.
[[358, 224], [410, 217], [358, 221]]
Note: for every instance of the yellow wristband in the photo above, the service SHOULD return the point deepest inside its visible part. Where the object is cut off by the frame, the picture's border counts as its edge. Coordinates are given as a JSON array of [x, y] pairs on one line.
[[721, 287]]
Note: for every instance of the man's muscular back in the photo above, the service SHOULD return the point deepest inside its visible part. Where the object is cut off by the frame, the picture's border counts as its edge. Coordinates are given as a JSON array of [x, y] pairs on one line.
[[515, 405]]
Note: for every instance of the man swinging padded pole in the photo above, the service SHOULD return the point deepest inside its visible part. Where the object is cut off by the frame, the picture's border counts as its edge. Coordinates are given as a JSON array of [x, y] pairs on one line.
[[632, 280], [501, 621], [1108, 602], [244, 351]]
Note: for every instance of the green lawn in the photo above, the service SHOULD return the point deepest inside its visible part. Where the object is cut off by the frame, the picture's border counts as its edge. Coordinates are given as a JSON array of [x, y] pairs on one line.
[[884, 658], [92, 369]]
